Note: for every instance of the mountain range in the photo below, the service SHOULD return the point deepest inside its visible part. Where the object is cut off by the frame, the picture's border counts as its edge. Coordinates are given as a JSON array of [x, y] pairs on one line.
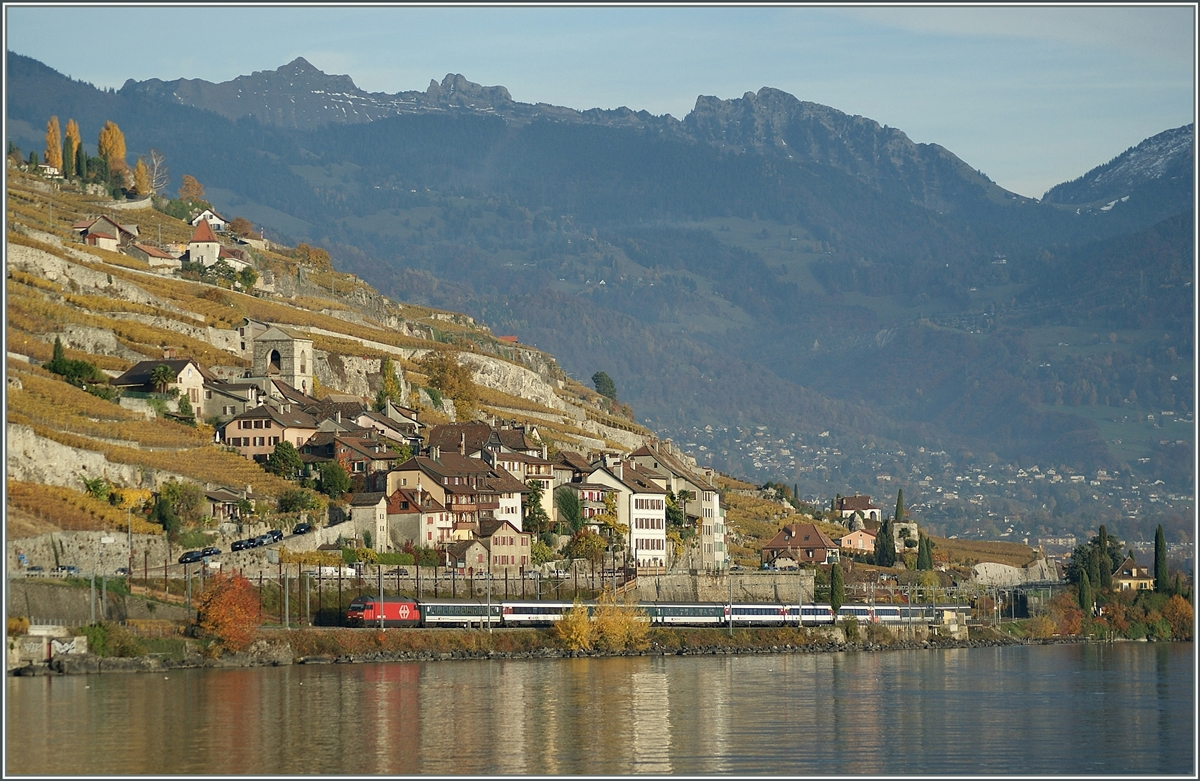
[[764, 264]]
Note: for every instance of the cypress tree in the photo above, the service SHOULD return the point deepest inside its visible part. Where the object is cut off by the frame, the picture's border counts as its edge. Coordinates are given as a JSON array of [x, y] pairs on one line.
[[837, 587], [885, 545], [900, 506], [1093, 565], [1085, 595], [1105, 561], [81, 168], [924, 554], [1161, 585]]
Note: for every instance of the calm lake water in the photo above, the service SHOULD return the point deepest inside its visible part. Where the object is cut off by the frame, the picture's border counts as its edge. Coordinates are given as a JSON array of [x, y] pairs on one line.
[[1075, 709]]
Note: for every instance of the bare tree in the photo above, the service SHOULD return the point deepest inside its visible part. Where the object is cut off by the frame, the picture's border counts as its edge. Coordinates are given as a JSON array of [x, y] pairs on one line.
[[158, 171]]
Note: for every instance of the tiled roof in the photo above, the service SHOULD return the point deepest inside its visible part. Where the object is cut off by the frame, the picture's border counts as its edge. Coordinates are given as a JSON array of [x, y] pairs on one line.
[[203, 233], [367, 499]]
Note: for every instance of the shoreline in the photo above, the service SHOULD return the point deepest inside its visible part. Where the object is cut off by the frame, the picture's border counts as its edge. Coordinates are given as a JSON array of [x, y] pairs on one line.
[[266, 654]]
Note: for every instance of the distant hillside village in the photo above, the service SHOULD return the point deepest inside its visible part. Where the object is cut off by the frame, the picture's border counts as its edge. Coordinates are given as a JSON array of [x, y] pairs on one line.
[[464, 489]]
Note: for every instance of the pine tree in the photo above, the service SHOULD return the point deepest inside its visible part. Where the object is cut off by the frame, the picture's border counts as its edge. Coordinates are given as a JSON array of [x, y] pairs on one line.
[[604, 385], [837, 587], [1105, 561], [1161, 584], [54, 156]]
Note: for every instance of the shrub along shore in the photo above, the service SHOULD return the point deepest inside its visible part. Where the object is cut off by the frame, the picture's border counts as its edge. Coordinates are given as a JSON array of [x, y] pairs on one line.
[[275, 648]]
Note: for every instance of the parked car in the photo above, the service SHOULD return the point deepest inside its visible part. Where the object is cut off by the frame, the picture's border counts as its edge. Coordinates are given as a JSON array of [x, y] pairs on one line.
[[122, 571], [66, 569], [402, 572], [211, 551], [241, 545], [275, 534], [36, 569], [302, 528], [263, 539], [191, 557]]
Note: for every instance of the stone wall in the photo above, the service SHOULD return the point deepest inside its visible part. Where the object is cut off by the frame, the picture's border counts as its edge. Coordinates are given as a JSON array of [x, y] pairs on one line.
[[43, 264], [72, 605], [747, 587]]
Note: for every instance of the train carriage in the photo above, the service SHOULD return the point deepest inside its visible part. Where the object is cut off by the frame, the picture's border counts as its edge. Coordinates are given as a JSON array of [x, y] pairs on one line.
[[460, 612], [759, 615], [537, 613], [685, 613], [810, 615]]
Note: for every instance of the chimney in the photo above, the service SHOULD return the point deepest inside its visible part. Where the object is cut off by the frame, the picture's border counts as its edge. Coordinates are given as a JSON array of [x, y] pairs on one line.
[[435, 452], [543, 452], [620, 471], [169, 354], [337, 417], [462, 443]]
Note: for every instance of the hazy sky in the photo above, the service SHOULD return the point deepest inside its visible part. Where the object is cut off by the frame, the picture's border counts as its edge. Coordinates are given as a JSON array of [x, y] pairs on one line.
[[1030, 95]]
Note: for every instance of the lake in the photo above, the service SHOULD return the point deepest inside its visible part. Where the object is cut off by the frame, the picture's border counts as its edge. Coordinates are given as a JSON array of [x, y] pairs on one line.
[[1125, 708]]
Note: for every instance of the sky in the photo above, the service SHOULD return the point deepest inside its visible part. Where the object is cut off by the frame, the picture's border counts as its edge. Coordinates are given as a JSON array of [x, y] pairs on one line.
[[1030, 95]]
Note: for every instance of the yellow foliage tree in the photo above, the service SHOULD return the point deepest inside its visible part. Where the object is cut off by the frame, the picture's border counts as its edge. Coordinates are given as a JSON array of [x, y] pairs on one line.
[[190, 190], [141, 178], [111, 147], [618, 627], [574, 630], [71, 146], [54, 155], [452, 379]]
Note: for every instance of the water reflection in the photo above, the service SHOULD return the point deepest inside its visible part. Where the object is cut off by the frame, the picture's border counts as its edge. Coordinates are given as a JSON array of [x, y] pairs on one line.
[[999, 711]]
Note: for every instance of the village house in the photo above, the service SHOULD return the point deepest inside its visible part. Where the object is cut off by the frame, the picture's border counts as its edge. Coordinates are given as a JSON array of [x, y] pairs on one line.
[[466, 557], [214, 220], [255, 432], [799, 543], [105, 233], [641, 506], [220, 401], [203, 248], [1132, 576], [153, 256], [848, 506], [697, 496], [359, 456], [508, 547], [187, 376], [860, 541], [469, 488], [415, 517], [368, 516]]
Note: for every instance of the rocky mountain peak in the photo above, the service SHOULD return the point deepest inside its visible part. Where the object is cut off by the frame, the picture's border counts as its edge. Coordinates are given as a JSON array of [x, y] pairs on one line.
[[1168, 155]]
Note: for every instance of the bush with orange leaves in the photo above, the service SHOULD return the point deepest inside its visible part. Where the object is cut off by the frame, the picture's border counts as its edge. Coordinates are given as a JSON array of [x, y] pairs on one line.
[[229, 611], [1178, 612]]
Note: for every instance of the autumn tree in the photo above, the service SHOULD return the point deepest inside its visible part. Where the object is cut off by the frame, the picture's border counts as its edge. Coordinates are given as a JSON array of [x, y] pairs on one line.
[[111, 147], [54, 152], [71, 147], [186, 499], [389, 385], [141, 178], [1178, 613], [613, 530], [450, 378], [229, 611], [190, 190], [313, 256], [240, 226]]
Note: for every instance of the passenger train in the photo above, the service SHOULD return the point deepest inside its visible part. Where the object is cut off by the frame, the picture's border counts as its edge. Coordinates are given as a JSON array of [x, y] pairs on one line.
[[405, 611]]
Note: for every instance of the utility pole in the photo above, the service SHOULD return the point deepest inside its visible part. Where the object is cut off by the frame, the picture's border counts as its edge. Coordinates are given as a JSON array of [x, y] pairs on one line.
[[731, 604], [379, 569]]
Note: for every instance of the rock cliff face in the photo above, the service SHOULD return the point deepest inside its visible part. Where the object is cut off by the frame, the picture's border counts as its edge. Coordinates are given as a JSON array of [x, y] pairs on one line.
[[35, 459]]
